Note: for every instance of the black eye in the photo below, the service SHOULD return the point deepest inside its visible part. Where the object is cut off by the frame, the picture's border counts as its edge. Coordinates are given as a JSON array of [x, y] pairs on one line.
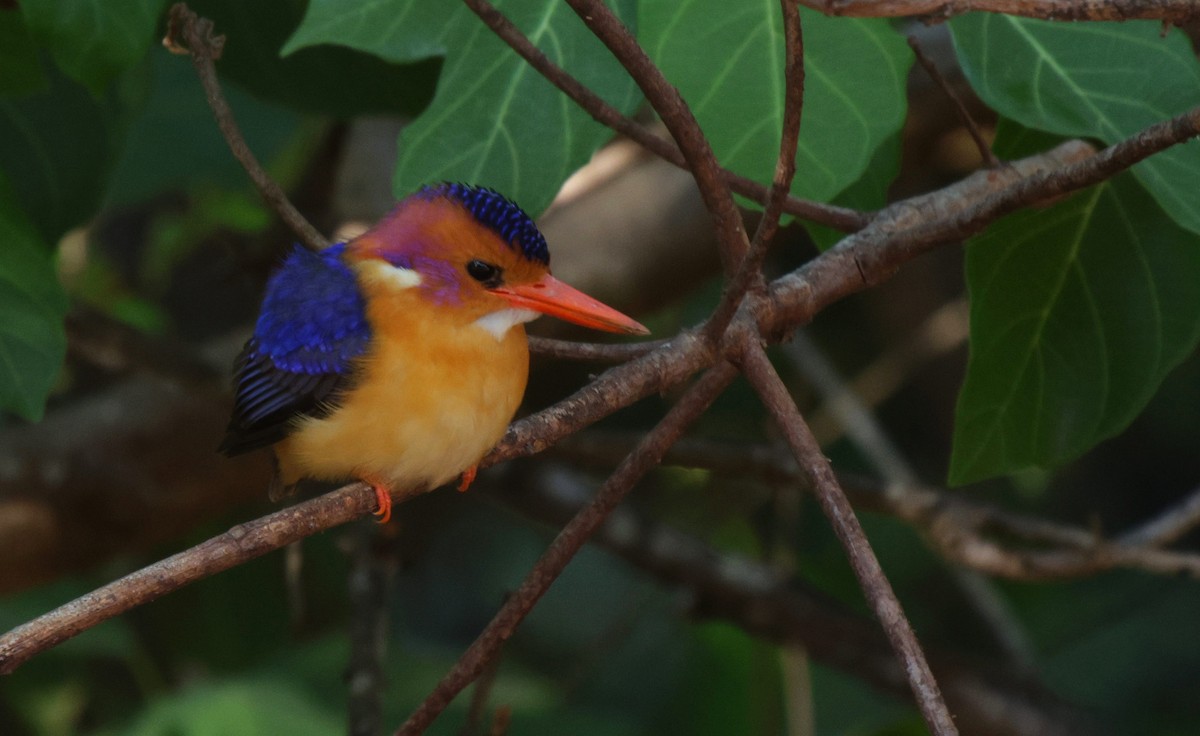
[[484, 272]]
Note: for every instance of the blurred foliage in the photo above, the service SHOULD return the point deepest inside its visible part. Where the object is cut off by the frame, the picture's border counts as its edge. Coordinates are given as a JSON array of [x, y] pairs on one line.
[[105, 141], [32, 341]]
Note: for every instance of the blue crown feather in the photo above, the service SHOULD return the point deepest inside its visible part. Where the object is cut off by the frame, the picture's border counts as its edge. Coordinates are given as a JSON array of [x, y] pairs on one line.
[[498, 213]]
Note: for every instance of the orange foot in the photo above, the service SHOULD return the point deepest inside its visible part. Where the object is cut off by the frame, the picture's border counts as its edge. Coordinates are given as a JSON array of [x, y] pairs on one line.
[[383, 499], [467, 478]]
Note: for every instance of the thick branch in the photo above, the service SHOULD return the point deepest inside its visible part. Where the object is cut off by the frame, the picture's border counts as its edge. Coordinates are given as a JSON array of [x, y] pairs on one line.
[[899, 233], [911, 227], [238, 545], [1171, 11]]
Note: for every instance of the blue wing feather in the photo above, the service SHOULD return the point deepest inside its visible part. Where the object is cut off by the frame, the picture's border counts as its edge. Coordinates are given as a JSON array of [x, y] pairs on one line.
[[310, 331]]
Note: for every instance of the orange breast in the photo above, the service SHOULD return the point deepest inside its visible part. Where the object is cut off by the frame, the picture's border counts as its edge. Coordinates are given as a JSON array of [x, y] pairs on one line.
[[434, 395]]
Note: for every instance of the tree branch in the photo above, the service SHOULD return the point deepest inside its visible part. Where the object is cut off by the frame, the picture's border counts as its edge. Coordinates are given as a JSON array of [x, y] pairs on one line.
[[617, 352], [1171, 11], [895, 236], [865, 431], [816, 468], [187, 33], [369, 585], [678, 118], [749, 273], [241, 543], [985, 151], [906, 229], [840, 218], [899, 233], [770, 604], [1169, 525], [958, 529], [553, 561]]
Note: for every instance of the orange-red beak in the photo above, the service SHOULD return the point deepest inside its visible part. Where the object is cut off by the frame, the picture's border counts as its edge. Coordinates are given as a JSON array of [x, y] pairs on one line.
[[551, 296]]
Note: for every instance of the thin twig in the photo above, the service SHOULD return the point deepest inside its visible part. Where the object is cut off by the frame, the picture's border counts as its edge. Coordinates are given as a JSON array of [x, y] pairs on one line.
[[942, 331], [769, 603], [789, 134], [618, 352], [480, 695], [1169, 526], [858, 423], [839, 218], [113, 345], [957, 528], [572, 537], [874, 583], [501, 720], [1171, 11], [369, 584], [964, 115], [677, 116], [899, 233], [749, 271], [889, 462], [619, 386], [188, 33]]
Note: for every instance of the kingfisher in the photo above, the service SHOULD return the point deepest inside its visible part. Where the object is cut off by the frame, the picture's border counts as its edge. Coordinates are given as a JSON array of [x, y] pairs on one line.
[[398, 358]]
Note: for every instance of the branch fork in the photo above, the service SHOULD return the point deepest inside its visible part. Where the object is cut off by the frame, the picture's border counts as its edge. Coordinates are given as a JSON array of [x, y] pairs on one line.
[[750, 314]]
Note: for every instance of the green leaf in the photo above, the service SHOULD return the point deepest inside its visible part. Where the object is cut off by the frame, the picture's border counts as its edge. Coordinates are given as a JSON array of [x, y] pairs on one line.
[[400, 31], [732, 685], [1077, 313], [845, 704], [494, 120], [94, 41], [61, 142], [246, 706], [497, 122], [1105, 81], [154, 161], [33, 341], [868, 193], [330, 80], [20, 70], [727, 60]]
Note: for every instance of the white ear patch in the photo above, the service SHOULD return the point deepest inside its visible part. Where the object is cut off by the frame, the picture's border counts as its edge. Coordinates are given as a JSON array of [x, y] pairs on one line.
[[384, 273], [499, 323]]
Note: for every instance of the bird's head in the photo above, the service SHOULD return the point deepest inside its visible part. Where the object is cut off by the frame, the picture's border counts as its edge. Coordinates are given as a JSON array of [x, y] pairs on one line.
[[477, 255]]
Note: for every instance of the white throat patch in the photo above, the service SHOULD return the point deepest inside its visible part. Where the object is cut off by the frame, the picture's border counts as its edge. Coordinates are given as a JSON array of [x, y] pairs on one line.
[[499, 323]]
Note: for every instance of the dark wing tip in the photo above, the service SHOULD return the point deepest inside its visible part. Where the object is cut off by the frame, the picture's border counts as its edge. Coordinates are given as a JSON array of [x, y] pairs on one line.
[[268, 400]]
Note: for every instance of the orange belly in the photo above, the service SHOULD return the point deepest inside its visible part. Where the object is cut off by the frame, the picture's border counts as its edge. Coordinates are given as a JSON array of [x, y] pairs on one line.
[[431, 400]]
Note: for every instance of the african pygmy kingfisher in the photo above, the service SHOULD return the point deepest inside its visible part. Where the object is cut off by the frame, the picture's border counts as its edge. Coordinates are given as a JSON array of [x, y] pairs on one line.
[[399, 357]]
